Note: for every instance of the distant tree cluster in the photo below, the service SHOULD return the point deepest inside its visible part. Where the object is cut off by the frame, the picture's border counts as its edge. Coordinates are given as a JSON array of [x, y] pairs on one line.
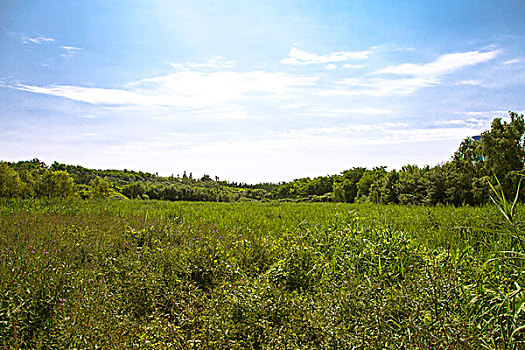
[[30, 179], [497, 153]]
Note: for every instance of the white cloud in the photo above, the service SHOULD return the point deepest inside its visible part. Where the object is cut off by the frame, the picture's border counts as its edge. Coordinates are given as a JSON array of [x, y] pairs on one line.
[[331, 66], [376, 87], [352, 66], [215, 62], [90, 95], [513, 61], [418, 76], [69, 51], [450, 122], [339, 112], [445, 64], [300, 57], [474, 123], [292, 140], [191, 88], [38, 39], [488, 116], [225, 112], [472, 82], [219, 94], [359, 135]]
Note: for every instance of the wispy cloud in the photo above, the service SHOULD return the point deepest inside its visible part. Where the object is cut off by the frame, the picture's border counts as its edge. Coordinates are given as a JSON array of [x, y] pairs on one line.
[[66, 50], [473, 123], [375, 87], [300, 57], [472, 82], [295, 140], [88, 94], [378, 134], [216, 94], [342, 112], [407, 78], [216, 62], [352, 66], [512, 61], [38, 39], [213, 90], [445, 64], [69, 51]]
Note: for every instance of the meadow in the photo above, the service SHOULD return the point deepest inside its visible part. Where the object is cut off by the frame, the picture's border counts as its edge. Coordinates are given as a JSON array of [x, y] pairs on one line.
[[132, 274]]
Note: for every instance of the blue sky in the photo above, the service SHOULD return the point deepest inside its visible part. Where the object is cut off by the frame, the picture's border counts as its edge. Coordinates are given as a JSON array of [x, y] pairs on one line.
[[254, 90]]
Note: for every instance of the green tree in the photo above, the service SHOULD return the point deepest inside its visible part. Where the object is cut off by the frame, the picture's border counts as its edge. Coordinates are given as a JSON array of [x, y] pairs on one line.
[[55, 184], [366, 181], [134, 190], [345, 186], [503, 150], [465, 167], [10, 183], [100, 188], [387, 187], [435, 182], [410, 187]]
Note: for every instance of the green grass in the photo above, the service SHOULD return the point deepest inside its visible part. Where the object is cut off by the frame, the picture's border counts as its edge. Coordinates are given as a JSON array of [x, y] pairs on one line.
[[148, 274]]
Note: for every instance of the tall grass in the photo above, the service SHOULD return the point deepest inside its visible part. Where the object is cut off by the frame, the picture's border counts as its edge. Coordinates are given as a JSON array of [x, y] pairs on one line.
[[150, 274], [505, 307]]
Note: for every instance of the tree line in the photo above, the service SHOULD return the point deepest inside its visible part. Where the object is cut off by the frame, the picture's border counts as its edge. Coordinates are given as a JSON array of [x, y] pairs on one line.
[[498, 153]]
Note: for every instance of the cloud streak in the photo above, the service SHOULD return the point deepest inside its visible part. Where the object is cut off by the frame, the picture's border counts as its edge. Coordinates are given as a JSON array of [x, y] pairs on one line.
[[301, 58], [219, 94], [408, 78], [212, 90], [38, 39], [69, 51], [445, 64], [216, 62]]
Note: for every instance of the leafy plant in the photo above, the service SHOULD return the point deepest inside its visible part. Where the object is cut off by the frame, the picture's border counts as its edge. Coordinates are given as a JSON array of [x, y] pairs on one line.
[[505, 304]]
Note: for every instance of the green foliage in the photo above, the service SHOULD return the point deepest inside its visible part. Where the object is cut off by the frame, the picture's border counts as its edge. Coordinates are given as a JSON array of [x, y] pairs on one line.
[[503, 306], [345, 186], [10, 183], [503, 150], [365, 189], [100, 188], [145, 274], [55, 184], [411, 188]]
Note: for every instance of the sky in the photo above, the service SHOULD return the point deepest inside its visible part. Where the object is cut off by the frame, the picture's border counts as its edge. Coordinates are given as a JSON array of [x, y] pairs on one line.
[[254, 91]]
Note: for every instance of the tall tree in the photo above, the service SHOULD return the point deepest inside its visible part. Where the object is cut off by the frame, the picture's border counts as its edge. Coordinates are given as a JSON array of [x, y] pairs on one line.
[[503, 150]]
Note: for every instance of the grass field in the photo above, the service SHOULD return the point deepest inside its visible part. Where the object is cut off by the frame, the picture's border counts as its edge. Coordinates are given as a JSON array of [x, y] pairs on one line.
[[132, 274]]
